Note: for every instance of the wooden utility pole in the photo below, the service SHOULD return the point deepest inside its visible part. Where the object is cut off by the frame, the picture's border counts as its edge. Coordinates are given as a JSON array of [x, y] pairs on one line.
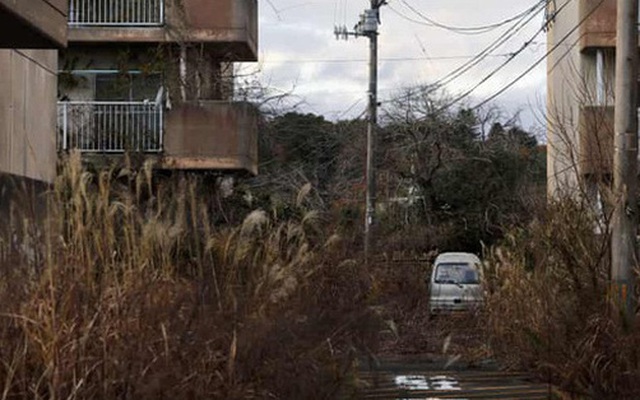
[[625, 159], [370, 213], [368, 26]]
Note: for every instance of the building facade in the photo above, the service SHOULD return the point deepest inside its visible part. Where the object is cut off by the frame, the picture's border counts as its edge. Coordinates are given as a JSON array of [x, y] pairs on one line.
[[580, 96], [156, 77], [32, 30]]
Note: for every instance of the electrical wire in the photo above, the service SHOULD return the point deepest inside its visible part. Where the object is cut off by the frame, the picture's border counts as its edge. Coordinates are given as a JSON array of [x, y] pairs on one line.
[[275, 10], [544, 57], [501, 66], [486, 52], [475, 30], [388, 59], [492, 73]]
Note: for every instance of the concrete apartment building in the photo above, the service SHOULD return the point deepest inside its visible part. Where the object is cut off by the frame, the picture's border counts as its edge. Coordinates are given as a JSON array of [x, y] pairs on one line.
[[580, 79], [155, 77], [32, 30]]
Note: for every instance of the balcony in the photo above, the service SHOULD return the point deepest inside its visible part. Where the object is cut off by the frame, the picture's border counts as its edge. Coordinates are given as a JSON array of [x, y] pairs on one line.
[[110, 127], [212, 135], [198, 135], [599, 27], [123, 13], [596, 140], [230, 26]]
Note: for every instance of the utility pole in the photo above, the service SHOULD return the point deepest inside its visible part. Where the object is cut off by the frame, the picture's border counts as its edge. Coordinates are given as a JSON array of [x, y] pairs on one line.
[[368, 27], [625, 159]]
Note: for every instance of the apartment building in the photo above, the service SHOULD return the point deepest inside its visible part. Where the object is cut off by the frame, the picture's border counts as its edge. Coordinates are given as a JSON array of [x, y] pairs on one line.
[[580, 79], [155, 77], [32, 30]]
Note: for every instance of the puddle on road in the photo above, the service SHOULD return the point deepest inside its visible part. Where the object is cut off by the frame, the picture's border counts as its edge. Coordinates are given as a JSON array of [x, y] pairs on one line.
[[412, 382], [422, 382]]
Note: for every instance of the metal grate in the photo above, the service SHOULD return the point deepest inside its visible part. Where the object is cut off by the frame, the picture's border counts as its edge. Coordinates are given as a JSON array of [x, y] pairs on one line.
[[116, 12], [110, 127]]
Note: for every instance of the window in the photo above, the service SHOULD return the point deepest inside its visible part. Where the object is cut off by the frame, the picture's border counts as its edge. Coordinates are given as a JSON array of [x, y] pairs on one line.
[[457, 273], [127, 86]]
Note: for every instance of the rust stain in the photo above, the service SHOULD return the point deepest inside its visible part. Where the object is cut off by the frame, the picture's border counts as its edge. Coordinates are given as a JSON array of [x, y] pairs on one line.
[[229, 24], [596, 140], [599, 28], [207, 134]]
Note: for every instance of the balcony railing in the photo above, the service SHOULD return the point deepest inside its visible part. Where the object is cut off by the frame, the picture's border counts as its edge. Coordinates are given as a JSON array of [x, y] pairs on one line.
[[124, 13], [110, 127]]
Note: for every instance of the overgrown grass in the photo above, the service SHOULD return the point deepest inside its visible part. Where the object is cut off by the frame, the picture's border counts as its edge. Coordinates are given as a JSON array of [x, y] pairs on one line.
[[547, 308], [129, 290]]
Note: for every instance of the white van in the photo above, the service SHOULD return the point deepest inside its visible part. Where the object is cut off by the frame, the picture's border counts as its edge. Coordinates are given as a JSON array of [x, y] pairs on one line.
[[455, 283]]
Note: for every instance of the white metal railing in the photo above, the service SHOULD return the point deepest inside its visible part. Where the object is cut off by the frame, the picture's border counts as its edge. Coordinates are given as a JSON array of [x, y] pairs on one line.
[[130, 13], [110, 126]]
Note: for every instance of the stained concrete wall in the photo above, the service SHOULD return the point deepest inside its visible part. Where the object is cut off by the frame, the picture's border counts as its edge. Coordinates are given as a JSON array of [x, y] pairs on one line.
[[565, 87], [36, 24], [213, 135], [28, 113], [28, 85], [228, 27]]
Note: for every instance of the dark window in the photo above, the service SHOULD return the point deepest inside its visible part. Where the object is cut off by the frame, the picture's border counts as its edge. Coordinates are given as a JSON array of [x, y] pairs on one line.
[[127, 87]]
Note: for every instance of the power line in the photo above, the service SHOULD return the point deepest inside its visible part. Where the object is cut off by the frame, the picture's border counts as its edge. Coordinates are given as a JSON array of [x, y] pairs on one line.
[[555, 46], [388, 59], [486, 52], [275, 10], [475, 30], [502, 39], [495, 71]]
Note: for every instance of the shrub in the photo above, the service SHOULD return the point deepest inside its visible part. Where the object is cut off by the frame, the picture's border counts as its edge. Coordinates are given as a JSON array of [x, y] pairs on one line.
[[128, 289], [547, 308]]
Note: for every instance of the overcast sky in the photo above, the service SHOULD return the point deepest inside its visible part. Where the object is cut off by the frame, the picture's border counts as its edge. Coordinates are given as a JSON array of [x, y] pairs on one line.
[[299, 52]]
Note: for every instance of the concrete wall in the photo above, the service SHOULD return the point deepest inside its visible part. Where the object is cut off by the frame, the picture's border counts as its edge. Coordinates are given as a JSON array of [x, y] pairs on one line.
[[28, 113], [28, 84], [599, 27], [565, 87], [228, 27], [596, 140], [33, 23], [212, 135]]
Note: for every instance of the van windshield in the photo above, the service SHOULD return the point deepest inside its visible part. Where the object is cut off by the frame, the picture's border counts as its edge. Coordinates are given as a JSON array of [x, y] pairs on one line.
[[457, 273]]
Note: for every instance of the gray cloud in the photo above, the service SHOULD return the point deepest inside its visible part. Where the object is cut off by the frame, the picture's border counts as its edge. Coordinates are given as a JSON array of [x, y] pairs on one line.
[[410, 54]]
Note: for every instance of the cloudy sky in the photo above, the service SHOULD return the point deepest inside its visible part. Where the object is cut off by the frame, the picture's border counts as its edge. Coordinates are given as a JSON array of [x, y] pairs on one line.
[[300, 54]]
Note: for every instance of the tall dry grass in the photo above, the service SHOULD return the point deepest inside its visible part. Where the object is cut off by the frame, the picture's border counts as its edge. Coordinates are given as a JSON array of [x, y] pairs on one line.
[[547, 308], [129, 290]]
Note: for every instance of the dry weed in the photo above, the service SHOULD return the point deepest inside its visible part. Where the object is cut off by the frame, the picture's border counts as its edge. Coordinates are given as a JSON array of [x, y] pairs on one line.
[[136, 292], [547, 308]]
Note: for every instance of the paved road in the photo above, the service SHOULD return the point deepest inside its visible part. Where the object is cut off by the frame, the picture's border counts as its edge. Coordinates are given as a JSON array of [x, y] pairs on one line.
[[431, 381]]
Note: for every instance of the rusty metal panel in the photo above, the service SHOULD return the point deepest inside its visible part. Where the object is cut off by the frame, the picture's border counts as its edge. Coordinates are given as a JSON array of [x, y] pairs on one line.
[[599, 28], [596, 140], [211, 135], [33, 23]]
